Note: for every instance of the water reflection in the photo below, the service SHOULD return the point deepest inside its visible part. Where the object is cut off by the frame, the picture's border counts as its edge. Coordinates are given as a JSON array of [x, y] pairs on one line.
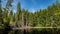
[[37, 31]]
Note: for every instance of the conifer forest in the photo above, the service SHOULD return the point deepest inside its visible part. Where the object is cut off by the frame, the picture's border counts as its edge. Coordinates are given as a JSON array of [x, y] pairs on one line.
[[43, 21]]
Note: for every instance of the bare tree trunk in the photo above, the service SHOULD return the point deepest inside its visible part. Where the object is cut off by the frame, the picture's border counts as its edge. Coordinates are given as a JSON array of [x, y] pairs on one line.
[[52, 25]]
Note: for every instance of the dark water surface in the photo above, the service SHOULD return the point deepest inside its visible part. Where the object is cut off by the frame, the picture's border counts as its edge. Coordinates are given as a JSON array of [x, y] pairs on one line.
[[33, 31], [37, 31]]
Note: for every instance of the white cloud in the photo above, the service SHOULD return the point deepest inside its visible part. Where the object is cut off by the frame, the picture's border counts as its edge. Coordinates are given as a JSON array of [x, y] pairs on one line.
[[32, 10], [14, 3]]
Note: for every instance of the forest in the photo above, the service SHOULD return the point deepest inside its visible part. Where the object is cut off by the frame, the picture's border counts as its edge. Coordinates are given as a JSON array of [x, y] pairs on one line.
[[49, 17]]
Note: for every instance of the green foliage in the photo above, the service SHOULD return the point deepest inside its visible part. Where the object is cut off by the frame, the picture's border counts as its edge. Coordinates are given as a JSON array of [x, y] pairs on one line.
[[2, 26], [48, 17], [9, 4]]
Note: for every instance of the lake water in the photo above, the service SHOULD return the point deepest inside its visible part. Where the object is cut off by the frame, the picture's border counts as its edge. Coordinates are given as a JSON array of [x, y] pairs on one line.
[[37, 31]]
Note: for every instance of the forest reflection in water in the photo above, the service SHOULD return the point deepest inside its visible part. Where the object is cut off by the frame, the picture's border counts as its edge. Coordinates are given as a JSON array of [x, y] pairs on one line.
[[37, 31]]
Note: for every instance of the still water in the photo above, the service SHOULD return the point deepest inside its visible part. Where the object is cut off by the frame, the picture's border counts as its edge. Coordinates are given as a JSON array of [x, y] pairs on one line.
[[36, 31]]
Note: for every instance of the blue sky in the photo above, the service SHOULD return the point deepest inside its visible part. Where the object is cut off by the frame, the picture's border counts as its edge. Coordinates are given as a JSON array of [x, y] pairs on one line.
[[31, 5]]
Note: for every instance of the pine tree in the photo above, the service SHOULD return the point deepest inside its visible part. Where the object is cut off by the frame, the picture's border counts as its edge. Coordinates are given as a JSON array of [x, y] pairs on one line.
[[9, 4], [18, 14], [1, 18]]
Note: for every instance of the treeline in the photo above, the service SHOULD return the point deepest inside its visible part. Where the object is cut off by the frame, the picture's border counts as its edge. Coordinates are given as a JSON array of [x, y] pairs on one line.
[[49, 17]]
